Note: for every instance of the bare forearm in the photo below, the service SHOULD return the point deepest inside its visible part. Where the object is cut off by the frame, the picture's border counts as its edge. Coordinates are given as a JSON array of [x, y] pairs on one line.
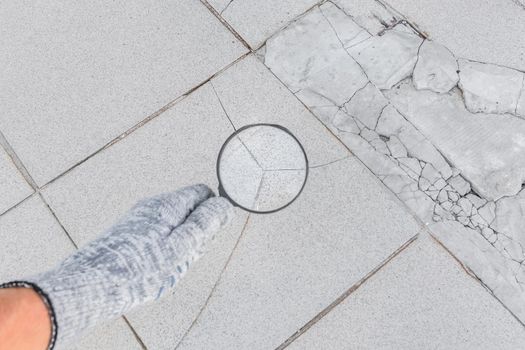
[[24, 320]]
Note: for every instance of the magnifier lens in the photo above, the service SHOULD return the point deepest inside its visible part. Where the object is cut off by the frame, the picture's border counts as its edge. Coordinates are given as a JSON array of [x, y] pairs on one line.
[[262, 168]]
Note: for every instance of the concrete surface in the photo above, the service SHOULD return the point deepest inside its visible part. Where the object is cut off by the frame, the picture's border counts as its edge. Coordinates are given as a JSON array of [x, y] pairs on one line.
[[421, 300]]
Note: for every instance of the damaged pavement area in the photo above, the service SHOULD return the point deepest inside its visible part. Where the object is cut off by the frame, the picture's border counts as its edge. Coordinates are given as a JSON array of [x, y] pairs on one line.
[[445, 134]]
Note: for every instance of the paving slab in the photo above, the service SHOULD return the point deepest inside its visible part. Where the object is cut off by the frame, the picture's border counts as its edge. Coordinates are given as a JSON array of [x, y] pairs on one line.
[[421, 299], [175, 149], [291, 264], [78, 75], [33, 241], [256, 20], [486, 31], [13, 187]]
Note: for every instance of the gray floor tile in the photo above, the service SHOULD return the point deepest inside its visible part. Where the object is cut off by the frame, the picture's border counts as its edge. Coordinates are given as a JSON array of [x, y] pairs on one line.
[[290, 265], [13, 187], [114, 335], [79, 74], [422, 299], [31, 240], [256, 20]]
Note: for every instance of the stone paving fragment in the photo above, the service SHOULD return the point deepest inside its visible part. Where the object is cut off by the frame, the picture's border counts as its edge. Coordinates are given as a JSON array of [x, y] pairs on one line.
[[348, 32], [520, 108], [13, 187], [489, 88], [421, 300], [80, 74], [471, 142], [436, 68], [305, 55], [389, 58], [371, 15], [295, 262]]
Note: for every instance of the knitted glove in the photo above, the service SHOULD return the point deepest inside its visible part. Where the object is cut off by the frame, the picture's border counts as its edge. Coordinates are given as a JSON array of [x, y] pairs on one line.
[[135, 261]]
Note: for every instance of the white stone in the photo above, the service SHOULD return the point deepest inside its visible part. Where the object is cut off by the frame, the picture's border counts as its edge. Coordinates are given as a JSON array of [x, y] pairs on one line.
[[487, 149], [424, 300], [308, 54], [368, 14], [459, 184], [397, 150], [13, 187], [367, 105], [478, 202], [389, 58], [488, 212], [344, 122], [489, 88], [80, 74], [436, 68], [345, 28]]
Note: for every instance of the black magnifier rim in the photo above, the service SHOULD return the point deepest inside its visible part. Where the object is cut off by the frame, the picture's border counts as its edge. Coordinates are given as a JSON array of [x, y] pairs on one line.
[[223, 193]]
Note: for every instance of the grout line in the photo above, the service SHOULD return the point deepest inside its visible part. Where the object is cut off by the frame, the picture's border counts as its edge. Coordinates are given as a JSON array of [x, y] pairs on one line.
[[135, 333], [18, 204], [146, 120], [216, 282], [345, 295], [56, 218], [226, 24]]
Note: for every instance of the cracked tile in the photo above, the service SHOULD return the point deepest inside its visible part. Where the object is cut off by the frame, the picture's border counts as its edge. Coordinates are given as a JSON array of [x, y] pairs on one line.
[[13, 187], [371, 15], [436, 68], [472, 143], [489, 88], [389, 58], [66, 93], [284, 267], [176, 149], [308, 53], [422, 299], [251, 94]]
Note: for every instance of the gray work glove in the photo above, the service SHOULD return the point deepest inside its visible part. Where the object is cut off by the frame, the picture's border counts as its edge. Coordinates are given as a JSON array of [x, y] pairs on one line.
[[137, 260]]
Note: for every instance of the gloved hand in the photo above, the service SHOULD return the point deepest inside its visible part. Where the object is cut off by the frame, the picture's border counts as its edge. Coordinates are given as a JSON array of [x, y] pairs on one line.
[[137, 260]]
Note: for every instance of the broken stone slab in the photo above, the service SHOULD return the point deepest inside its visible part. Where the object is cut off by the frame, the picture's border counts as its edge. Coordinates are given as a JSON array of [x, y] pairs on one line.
[[368, 14], [389, 58], [510, 218], [392, 122], [487, 150], [304, 48], [367, 105], [436, 68], [348, 32], [489, 88], [459, 184]]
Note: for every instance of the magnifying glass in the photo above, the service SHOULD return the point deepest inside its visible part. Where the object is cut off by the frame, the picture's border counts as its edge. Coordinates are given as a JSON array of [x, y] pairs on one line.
[[262, 168]]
